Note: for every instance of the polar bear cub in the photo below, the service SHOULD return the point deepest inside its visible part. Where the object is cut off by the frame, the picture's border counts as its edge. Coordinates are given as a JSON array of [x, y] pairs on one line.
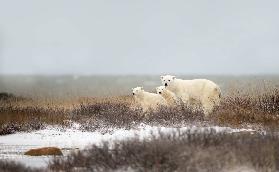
[[169, 96], [197, 90], [146, 100]]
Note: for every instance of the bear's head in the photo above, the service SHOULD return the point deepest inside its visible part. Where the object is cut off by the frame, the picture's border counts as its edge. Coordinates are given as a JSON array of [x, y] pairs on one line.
[[160, 89], [167, 80], [137, 90]]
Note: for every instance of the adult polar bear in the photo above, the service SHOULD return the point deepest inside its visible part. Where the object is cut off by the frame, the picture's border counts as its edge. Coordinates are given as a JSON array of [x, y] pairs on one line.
[[204, 91]]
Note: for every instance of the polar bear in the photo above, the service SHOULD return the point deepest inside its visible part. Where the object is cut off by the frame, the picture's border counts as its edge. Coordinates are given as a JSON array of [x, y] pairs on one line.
[[197, 90], [146, 100], [169, 96]]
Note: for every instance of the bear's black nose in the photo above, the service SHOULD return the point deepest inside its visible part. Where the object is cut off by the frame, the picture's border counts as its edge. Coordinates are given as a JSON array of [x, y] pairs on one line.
[[133, 94], [160, 92], [166, 84]]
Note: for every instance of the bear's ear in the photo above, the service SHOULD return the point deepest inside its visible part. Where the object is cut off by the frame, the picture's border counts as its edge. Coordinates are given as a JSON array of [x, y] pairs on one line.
[[173, 77], [162, 77], [141, 88]]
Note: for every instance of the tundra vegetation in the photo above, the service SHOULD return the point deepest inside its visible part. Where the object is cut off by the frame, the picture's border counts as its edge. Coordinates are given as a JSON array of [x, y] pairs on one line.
[[180, 151], [260, 111]]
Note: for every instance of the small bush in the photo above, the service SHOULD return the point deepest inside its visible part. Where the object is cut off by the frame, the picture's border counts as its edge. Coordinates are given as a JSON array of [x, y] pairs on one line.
[[6, 96], [10, 166]]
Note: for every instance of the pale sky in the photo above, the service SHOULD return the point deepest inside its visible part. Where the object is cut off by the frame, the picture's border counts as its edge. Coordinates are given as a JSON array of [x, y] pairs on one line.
[[139, 37]]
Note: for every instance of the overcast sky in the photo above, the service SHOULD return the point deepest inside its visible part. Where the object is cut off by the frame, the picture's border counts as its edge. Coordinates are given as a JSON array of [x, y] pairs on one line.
[[139, 36]]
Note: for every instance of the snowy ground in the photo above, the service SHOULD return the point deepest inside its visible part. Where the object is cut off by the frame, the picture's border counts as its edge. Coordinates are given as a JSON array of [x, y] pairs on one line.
[[13, 146]]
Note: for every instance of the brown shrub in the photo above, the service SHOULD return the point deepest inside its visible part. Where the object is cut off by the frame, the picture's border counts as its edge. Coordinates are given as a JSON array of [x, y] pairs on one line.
[[180, 151], [17, 118], [118, 115], [11, 166], [260, 109]]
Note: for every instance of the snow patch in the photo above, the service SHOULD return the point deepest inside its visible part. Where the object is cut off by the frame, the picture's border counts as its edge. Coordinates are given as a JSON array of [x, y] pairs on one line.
[[13, 146]]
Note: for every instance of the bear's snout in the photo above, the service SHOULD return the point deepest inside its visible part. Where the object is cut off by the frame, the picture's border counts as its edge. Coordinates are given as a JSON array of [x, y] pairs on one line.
[[133, 94], [166, 84], [160, 92]]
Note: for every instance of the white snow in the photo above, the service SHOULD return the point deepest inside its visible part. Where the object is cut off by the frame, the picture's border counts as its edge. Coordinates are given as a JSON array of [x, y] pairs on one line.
[[13, 146]]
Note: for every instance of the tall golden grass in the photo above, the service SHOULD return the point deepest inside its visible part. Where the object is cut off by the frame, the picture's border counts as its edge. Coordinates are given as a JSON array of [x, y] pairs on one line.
[[236, 109]]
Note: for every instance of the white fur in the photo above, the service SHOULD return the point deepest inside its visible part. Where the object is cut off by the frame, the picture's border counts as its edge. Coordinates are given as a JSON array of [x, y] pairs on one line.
[[169, 96], [148, 101], [204, 91]]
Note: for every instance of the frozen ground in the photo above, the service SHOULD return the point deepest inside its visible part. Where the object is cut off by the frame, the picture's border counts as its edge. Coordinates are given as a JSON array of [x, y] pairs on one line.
[[13, 146]]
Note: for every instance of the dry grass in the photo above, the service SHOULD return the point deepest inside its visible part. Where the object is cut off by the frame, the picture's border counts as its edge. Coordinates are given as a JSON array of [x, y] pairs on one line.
[[13, 118], [260, 109], [10, 166], [184, 151], [180, 151], [91, 113], [118, 115], [238, 110]]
